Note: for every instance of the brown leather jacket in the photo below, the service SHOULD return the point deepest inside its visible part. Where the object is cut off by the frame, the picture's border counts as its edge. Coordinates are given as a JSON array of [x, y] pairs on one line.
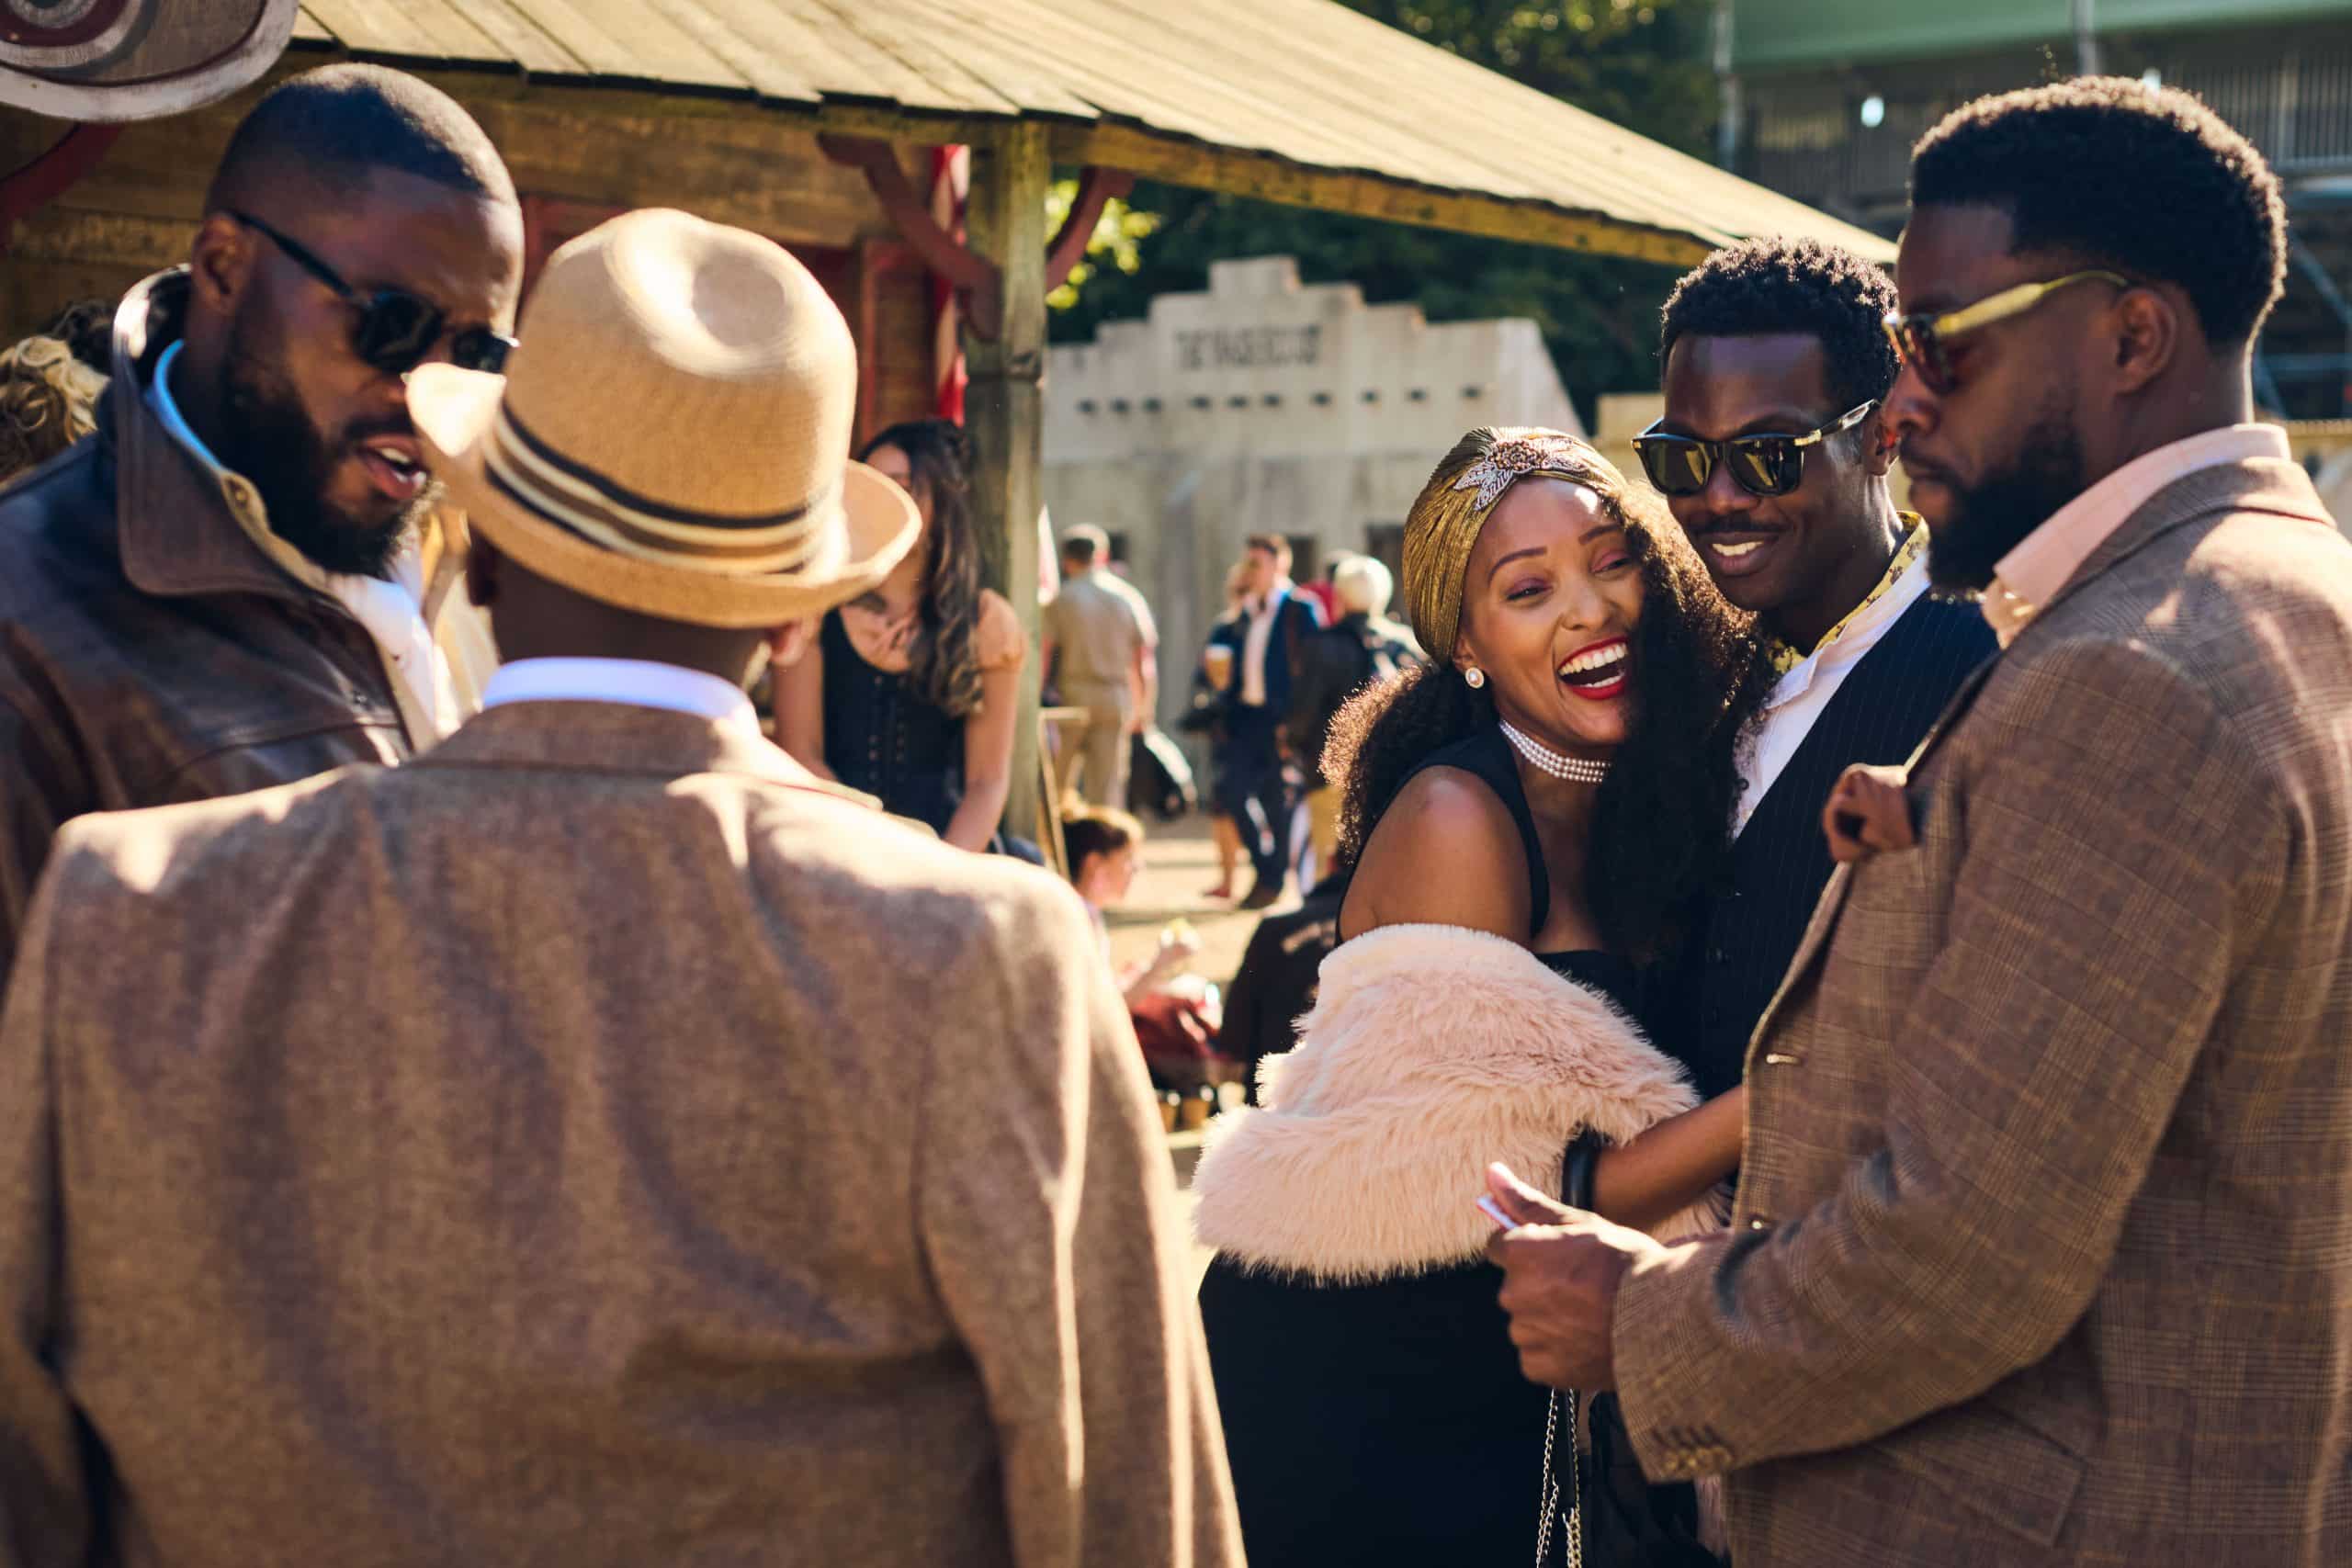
[[158, 643]]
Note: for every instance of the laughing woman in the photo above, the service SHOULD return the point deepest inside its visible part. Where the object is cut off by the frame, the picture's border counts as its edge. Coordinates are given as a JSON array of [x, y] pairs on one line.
[[1525, 823]]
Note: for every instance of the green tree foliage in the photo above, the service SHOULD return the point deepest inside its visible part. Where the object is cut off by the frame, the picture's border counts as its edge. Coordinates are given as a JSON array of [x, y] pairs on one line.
[[1642, 64]]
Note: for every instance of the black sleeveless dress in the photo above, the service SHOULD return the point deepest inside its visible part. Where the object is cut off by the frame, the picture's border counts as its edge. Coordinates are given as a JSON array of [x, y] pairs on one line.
[[883, 736], [1388, 1423]]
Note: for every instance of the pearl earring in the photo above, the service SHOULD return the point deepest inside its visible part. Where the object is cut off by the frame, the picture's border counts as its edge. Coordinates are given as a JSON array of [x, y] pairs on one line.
[[1475, 676]]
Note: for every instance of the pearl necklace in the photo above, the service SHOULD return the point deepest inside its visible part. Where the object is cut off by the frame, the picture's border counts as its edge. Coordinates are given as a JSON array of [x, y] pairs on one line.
[[1576, 769]]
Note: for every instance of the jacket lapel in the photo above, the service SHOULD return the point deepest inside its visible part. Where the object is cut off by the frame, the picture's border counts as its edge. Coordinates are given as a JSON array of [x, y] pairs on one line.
[[2264, 485]]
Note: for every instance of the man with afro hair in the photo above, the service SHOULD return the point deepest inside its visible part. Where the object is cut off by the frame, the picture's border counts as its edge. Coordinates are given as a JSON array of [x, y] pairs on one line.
[[2042, 1251]]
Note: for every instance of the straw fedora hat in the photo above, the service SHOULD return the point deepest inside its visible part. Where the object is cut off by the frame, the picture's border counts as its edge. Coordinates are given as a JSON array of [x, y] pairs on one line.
[[672, 434]]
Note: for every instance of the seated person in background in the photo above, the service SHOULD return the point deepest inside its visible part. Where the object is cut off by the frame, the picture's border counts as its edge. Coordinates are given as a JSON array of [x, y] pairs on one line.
[[1275, 985], [1175, 1014]]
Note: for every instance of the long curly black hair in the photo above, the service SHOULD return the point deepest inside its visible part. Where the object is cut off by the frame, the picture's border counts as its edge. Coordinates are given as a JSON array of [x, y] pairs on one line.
[[943, 661], [1662, 826]]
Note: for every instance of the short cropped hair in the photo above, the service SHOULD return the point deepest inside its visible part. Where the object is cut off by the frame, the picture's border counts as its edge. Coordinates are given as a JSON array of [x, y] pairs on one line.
[[1086, 543], [2145, 180], [1273, 545], [340, 123], [1363, 586], [1772, 285]]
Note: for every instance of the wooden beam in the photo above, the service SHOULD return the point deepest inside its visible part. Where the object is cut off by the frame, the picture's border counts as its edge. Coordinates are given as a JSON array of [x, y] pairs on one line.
[[1266, 177], [35, 184], [1096, 188], [974, 280], [1004, 415]]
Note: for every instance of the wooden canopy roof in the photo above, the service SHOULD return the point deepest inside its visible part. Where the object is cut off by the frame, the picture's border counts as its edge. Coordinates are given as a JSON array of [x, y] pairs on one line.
[[1296, 101]]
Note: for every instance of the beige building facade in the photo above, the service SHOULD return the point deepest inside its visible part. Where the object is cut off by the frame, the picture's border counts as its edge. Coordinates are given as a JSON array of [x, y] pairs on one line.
[[1265, 405]]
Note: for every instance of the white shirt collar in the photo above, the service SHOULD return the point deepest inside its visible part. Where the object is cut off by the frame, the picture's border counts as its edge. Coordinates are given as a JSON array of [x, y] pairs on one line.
[[639, 682], [2045, 560], [1860, 635]]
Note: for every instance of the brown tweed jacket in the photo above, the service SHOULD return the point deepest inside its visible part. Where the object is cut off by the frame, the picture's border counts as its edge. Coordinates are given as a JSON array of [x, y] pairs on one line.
[[592, 1144], [2043, 1247]]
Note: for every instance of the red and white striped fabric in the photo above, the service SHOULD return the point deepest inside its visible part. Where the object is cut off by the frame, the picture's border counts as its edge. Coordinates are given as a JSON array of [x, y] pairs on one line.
[[951, 188]]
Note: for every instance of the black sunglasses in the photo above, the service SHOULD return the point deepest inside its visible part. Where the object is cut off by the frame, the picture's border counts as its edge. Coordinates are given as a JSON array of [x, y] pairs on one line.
[[1760, 465], [396, 329]]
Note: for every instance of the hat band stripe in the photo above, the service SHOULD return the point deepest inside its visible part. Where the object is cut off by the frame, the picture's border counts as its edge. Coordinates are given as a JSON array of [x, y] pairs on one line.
[[613, 530], [608, 537], [583, 487]]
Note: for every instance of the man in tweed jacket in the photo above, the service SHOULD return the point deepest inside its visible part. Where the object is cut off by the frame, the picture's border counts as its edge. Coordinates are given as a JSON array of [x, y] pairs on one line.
[[600, 1143], [2042, 1252]]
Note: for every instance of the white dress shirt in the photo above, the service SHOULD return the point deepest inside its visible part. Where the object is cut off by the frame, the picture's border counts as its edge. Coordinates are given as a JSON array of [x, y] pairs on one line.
[[1797, 700], [2032, 573], [391, 609], [1263, 615], [641, 682]]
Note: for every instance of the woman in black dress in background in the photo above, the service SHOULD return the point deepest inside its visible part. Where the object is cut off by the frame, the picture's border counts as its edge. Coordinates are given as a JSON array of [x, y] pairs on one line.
[[909, 692], [1524, 821]]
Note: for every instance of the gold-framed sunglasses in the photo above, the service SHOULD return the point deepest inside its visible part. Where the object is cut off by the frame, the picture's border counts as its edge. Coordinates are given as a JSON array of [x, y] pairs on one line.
[[1919, 338]]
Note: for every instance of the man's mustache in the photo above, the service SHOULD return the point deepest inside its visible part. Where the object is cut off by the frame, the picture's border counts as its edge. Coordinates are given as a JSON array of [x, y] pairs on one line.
[[1737, 523]]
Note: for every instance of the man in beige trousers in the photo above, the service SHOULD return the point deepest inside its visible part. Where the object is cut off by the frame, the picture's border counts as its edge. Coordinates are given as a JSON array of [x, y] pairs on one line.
[[2043, 1251], [541, 1154], [1104, 651]]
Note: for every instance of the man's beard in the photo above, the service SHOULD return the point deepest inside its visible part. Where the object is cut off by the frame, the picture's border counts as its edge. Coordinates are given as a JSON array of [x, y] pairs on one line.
[[1993, 517], [273, 442]]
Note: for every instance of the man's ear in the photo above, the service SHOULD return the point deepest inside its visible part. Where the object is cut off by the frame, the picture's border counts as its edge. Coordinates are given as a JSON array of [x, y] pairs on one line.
[[221, 260], [2147, 327], [787, 642], [1880, 443], [482, 571]]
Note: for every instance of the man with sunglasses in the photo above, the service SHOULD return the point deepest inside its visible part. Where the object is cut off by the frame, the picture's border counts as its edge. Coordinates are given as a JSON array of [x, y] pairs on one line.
[[241, 582], [1772, 454], [2042, 1252]]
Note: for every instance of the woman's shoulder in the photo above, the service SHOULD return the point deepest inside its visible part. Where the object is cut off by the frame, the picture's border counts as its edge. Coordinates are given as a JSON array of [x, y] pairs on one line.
[[1447, 851], [996, 641]]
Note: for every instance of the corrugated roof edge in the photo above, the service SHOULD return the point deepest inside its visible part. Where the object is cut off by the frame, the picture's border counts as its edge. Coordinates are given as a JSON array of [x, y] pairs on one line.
[[1174, 157]]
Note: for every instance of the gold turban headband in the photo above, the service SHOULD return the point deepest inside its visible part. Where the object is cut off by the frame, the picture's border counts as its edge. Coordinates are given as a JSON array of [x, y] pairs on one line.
[[1445, 524]]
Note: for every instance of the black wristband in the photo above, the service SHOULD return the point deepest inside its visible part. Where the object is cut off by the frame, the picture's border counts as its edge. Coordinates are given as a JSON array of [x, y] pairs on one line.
[[1577, 1170]]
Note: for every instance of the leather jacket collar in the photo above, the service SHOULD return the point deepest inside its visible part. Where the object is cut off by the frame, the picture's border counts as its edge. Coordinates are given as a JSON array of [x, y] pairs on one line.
[[184, 529]]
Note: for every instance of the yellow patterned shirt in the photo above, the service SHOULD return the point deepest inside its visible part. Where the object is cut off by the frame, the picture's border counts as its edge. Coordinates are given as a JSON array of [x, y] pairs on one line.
[[1784, 657]]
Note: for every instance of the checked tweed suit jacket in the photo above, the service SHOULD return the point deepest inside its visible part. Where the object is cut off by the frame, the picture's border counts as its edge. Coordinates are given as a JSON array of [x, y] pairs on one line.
[[2043, 1251]]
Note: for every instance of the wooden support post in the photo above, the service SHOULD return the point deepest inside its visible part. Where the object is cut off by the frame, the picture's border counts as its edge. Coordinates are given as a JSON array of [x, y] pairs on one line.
[[1004, 413]]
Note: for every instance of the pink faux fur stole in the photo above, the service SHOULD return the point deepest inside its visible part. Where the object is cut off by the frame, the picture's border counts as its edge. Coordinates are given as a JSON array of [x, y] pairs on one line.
[[1432, 1051]]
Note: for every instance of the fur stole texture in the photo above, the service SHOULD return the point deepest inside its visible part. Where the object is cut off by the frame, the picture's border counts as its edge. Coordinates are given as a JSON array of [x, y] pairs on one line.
[[1432, 1051]]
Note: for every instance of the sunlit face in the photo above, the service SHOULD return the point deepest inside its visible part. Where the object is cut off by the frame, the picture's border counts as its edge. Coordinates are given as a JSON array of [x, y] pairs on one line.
[[1549, 604], [1992, 459], [1106, 878], [1768, 552], [322, 435], [894, 464], [1261, 570]]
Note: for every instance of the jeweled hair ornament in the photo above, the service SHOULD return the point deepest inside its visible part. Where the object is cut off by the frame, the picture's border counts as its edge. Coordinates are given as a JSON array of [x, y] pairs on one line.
[[1445, 524]]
